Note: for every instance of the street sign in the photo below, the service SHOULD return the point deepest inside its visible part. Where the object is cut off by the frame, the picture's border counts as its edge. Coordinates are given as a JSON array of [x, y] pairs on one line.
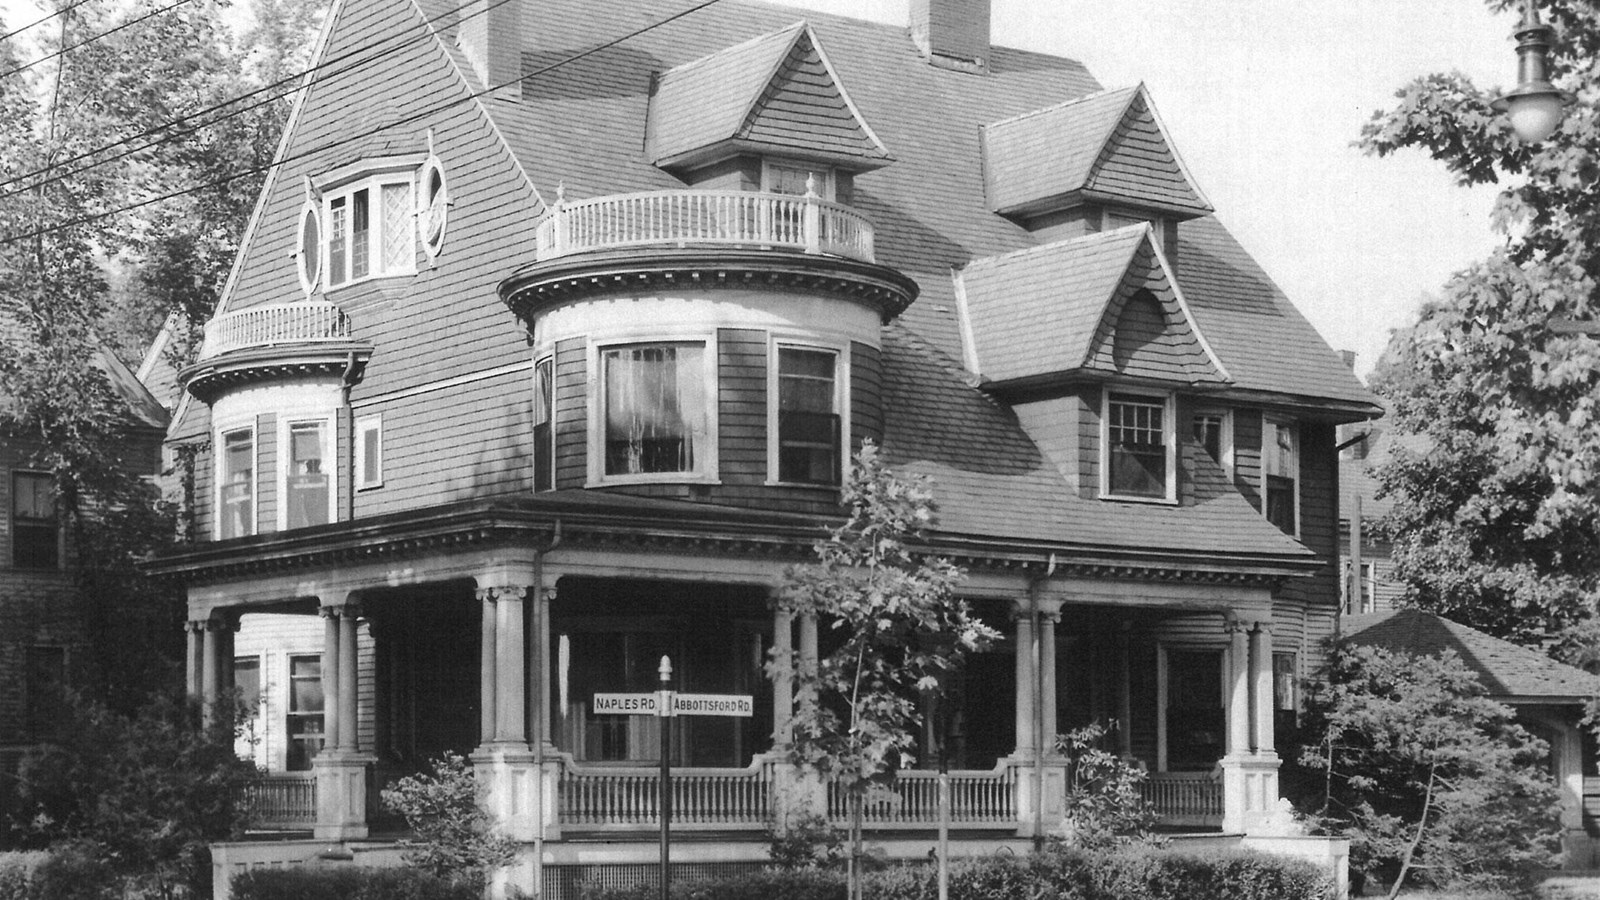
[[641, 704]]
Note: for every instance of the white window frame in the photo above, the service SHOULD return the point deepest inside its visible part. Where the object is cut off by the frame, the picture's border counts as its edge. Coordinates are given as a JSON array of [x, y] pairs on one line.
[[310, 270], [16, 520], [374, 185], [706, 470], [540, 361], [220, 470], [1269, 422], [841, 404], [330, 449], [1169, 441], [827, 178], [1226, 415], [364, 425], [432, 208]]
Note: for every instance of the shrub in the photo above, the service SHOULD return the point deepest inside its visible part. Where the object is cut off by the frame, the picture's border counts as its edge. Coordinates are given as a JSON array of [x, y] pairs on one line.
[[347, 883], [454, 838], [809, 842], [1104, 805], [69, 873], [771, 884]]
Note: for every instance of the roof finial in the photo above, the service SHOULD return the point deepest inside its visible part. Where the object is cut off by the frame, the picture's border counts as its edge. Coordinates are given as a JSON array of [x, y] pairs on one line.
[[811, 185]]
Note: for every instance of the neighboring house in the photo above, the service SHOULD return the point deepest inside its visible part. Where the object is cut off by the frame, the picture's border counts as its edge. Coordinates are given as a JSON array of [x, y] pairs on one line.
[[1549, 698], [1365, 446], [546, 352], [43, 648]]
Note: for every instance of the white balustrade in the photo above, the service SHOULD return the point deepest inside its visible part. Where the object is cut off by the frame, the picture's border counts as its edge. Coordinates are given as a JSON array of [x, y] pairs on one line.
[[630, 796], [1183, 797], [704, 218], [286, 801], [277, 323], [977, 798]]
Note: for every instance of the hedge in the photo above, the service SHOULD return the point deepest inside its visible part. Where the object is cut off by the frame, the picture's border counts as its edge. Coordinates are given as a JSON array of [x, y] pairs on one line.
[[66, 874], [1060, 874], [347, 883]]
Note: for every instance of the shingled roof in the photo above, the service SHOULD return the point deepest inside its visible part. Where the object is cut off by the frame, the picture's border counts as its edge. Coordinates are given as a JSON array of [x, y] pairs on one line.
[[1510, 672], [1053, 309], [773, 93]]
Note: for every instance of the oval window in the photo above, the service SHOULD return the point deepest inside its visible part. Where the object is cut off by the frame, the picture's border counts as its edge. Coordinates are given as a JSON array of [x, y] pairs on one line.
[[310, 249], [436, 203]]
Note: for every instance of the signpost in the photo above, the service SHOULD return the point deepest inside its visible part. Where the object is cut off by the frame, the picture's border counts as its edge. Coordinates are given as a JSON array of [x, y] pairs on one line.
[[667, 704]]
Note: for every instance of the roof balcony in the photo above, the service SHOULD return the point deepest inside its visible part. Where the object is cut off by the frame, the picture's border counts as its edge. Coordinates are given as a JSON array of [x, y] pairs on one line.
[[704, 219], [278, 340]]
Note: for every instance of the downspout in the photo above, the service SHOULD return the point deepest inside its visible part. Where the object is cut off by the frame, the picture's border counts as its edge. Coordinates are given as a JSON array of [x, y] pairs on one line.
[[1038, 702], [347, 380], [541, 702]]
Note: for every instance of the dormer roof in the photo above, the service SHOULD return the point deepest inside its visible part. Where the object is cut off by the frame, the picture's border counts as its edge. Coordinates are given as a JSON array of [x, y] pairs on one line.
[[774, 94], [1108, 148], [1054, 311]]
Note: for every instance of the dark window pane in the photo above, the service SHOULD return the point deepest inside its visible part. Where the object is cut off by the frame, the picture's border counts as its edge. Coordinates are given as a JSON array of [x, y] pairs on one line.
[[1195, 721], [307, 481], [36, 537], [1208, 432], [1280, 502], [360, 234], [1137, 455], [543, 415], [305, 711], [808, 424], [247, 678], [338, 239]]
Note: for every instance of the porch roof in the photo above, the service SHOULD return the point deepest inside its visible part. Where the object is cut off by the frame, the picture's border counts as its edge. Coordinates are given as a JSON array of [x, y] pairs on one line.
[[1509, 672]]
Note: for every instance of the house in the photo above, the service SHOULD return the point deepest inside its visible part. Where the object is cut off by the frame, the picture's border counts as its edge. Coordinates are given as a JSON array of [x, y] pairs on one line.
[[547, 348], [43, 645], [1368, 582], [1549, 698]]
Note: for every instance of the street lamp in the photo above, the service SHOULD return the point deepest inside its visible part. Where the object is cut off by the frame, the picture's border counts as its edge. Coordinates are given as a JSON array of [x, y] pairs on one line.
[[1535, 106]]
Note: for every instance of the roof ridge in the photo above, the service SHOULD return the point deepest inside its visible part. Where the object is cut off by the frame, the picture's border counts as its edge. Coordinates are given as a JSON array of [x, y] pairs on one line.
[[742, 45], [1084, 239], [1062, 104]]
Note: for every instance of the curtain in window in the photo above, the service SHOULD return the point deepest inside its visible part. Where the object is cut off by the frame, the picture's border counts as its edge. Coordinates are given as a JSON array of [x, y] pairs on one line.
[[655, 408], [308, 477]]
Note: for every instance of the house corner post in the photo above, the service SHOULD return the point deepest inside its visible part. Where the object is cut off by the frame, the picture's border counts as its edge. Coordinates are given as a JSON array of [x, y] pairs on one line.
[[1250, 768]]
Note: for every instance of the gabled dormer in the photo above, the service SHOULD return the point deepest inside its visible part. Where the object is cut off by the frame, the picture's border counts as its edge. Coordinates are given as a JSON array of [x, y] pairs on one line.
[[769, 114], [1091, 164]]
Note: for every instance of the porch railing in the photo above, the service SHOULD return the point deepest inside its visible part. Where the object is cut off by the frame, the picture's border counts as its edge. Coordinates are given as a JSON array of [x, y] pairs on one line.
[[977, 799], [703, 218], [724, 798], [276, 323], [281, 801], [1184, 798]]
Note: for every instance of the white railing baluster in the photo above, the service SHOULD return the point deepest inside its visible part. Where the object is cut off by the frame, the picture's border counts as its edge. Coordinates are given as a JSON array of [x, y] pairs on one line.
[[310, 321]]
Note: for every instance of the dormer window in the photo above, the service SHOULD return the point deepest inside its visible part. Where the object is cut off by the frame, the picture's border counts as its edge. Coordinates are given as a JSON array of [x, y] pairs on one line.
[[371, 230], [1138, 447]]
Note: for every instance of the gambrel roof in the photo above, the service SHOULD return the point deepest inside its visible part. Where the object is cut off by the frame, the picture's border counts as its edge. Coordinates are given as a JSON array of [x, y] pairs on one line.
[[1054, 310], [1106, 147], [772, 94]]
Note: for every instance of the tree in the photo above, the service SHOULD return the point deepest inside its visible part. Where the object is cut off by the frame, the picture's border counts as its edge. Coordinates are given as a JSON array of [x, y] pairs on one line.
[[146, 793], [454, 835], [898, 631], [1499, 496], [1428, 778]]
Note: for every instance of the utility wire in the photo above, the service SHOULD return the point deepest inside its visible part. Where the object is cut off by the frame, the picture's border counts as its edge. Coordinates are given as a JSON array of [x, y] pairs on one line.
[[406, 120], [60, 12], [89, 40], [173, 136]]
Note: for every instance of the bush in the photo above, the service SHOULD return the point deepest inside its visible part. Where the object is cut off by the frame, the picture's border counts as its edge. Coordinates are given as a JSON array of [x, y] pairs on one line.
[[69, 873], [809, 842], [455, 839], [347, 883], [771, 884]]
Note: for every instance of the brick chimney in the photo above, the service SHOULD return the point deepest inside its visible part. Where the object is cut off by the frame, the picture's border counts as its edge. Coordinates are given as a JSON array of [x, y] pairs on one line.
[[952, 34], [490, 35]]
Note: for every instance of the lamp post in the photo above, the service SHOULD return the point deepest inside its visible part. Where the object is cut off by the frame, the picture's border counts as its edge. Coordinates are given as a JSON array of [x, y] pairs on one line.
[[1535, 106]]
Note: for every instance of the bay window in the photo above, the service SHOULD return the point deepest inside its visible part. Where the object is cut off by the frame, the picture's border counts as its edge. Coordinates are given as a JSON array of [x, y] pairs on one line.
[[371, 230], [1280, 473], [236, 493], [1138, 443], [655, 412], [808, 427]]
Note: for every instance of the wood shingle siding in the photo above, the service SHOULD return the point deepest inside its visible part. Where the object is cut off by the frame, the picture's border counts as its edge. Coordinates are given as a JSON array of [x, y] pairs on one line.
[[866, 395], [571, 414], [742, 406]]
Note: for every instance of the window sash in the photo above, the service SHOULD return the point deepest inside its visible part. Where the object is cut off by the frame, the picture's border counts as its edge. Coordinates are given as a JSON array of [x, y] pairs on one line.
[[307, 481], [237, 512], [1280, 467], [304, 717], [369, 451], [655, 408], [1136, 445], [371, 231], [809, 426], [543, 421]]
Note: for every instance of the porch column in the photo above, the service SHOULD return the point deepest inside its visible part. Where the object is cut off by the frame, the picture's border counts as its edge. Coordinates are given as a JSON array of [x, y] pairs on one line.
[[808, 653], [1238, 689], [194, 637], [539, 674], [341, 769], [211, 663], [511, 665], [1125, 692], [1049, 618], [1026, 746], [488, 702], [783, 676], [330, 677], [347, 676], [1261, 688]]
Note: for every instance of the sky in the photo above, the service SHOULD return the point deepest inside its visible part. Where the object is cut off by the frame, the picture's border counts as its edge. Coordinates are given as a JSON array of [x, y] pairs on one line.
[[1263, 99]]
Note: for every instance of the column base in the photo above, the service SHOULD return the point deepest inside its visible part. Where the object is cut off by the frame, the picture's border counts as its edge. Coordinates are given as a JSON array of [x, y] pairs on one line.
[[512, 788], [341, 795], [1250, 802], [1041, 798], [797, 793]]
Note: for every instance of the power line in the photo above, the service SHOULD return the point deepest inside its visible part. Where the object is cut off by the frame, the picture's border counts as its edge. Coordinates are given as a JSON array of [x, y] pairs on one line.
[[60, 12], [406, 120], [89, 40], [173, 136]]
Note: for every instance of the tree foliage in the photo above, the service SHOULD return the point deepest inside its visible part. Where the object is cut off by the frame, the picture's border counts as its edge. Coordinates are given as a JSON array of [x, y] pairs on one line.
[[145, 793], [454, 835], [1104, 807], [897, 628], [1498, 492], [1429, 779]]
